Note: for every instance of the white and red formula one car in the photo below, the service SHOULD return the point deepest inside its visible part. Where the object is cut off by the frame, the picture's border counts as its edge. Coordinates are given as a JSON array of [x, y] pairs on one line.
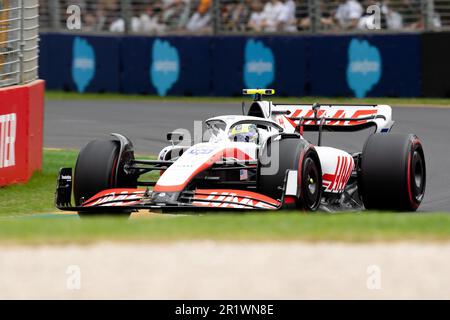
[[260, 160]]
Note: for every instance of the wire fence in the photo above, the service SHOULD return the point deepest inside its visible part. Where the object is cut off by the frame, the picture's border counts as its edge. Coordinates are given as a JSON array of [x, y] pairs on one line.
[[244, 16], [19, 36]]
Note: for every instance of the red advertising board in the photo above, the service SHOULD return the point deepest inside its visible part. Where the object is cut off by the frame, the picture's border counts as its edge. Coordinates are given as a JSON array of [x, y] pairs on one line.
[[21, 129]]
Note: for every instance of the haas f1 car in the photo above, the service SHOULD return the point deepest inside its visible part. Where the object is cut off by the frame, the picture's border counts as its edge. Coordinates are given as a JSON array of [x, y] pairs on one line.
[[256, 161]]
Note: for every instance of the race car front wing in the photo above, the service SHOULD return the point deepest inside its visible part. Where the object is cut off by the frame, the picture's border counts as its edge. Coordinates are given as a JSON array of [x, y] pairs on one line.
[[117, 199]]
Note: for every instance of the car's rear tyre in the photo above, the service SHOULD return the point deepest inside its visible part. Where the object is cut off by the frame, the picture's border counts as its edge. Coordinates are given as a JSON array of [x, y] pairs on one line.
[[98, 167], [293, 154], [393, 172]]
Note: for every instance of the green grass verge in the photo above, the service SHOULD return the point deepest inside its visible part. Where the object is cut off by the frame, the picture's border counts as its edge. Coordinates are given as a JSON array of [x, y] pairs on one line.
[[36, 195], [59, 95], [232, 227], [19, 226]]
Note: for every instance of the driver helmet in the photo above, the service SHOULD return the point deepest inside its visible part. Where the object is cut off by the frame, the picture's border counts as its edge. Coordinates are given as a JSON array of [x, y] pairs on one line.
[[244, 133]]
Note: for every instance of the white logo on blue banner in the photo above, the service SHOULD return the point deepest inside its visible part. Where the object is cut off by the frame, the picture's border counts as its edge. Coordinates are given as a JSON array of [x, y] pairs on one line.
[[364, 67], [165, 67], [83, 63], [259, 65]]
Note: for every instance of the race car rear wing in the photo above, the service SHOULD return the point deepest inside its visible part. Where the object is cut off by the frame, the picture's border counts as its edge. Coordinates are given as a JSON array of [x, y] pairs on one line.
[[331, 117]]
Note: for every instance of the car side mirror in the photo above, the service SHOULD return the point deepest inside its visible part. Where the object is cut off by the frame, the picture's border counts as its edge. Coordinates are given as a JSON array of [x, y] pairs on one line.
[[172, 136]]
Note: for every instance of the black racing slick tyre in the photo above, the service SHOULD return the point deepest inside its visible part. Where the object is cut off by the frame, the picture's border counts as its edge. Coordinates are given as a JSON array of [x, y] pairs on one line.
[[311, 182], [98, 167], [293, 154], [393, 172]]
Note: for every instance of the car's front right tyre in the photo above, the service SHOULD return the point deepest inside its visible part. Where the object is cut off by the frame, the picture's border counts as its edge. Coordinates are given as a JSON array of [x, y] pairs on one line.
[[283, 153]]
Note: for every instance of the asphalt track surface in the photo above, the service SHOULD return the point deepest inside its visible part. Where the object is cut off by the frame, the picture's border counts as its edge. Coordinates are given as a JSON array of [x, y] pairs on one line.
[[72, 124]]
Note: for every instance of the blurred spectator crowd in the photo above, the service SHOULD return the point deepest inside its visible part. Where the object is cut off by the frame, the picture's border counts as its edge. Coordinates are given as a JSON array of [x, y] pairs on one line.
[[158, 17]]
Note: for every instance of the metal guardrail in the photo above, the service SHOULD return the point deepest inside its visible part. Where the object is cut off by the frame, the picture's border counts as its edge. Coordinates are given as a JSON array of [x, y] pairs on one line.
[[19, 37], [246, 16]]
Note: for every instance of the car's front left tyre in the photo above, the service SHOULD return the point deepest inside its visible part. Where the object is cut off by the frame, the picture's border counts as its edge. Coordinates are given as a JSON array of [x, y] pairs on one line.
[[100, 167]]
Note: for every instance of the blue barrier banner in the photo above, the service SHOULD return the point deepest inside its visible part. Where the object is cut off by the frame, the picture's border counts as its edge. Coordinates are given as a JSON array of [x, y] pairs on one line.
[[360, 66], [260, 62], [79, 63], [325, 65], [166, 65]]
